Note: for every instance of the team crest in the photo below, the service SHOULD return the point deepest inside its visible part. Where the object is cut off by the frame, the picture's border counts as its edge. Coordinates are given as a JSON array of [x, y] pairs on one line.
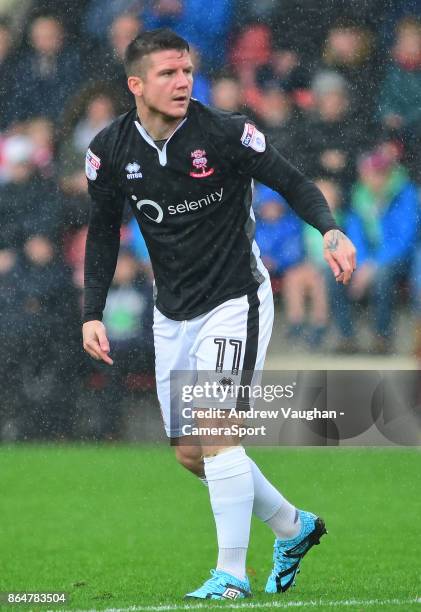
[[200, 162]]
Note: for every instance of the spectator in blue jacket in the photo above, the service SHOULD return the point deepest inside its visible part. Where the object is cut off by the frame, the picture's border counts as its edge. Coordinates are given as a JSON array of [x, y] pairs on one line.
[[279, 234], [201, 84], [205, 26], [382, 224]]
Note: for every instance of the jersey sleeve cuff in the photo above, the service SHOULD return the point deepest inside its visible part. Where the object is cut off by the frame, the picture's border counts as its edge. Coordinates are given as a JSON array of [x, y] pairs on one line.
[[95, 316], [327, 228]]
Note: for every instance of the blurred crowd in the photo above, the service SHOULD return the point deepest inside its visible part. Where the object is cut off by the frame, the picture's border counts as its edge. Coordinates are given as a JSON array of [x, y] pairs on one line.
[[335, 85]]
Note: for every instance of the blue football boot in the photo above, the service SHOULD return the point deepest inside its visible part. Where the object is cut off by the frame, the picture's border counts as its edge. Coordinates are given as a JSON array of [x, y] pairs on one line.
[[287, 554], [222, 586]]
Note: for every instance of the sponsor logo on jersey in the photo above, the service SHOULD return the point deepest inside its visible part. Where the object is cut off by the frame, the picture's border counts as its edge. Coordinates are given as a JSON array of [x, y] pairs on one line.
[[200, 162], [92, 165], [186, 206], [132, 170], [253, 138], [157, 214], [154, 212]]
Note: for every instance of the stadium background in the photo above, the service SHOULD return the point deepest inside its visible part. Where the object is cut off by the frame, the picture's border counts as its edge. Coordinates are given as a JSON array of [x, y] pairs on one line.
[[337, 87], [121, 526]]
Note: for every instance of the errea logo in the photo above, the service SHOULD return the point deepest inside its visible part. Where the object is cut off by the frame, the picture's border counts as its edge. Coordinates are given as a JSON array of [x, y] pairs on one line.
[[132, 170]]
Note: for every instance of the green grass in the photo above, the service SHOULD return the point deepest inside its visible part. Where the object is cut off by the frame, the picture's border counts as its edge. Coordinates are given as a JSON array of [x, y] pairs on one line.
[[119, 526]]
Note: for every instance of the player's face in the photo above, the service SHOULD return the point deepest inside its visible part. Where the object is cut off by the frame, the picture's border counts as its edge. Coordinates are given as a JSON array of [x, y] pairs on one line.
[[167, 82]]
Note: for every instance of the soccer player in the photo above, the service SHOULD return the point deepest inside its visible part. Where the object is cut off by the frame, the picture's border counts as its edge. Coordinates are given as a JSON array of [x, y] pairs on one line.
[[186, 170]]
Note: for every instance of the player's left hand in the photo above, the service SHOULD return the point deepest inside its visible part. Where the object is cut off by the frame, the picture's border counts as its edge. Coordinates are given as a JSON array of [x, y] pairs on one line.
[[340, 254]]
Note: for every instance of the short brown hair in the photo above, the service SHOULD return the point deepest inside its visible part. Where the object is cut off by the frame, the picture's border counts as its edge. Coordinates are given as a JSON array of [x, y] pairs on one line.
[[161, 39]]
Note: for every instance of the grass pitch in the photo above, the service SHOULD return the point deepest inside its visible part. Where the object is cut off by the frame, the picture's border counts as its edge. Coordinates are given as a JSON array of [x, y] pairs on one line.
[[124, 527]]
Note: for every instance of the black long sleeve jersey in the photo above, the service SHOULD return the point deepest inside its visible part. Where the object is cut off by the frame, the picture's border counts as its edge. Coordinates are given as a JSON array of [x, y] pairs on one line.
[[192, 200]]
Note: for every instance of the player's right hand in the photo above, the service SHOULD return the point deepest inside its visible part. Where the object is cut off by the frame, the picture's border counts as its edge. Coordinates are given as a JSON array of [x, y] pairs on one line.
[[95, 341]]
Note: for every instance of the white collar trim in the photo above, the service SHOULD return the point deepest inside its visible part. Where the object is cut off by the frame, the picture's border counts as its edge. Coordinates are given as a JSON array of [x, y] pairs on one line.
[[162, 153]]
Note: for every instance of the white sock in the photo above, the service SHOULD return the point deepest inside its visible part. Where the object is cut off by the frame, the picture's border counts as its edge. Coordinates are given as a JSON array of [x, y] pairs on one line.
[[234, 559], [231, 494], [286, 523], [271, 507]]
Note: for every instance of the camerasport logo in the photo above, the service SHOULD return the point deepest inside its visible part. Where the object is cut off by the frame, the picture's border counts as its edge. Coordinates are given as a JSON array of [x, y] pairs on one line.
[[200, 162]]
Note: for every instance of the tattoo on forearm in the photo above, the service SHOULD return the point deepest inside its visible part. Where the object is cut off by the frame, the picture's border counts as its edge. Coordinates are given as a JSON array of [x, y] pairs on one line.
[[333, 242]]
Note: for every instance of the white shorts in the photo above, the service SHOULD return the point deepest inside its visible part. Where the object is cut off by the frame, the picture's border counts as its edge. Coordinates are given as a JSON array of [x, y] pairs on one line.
[[232, 338]]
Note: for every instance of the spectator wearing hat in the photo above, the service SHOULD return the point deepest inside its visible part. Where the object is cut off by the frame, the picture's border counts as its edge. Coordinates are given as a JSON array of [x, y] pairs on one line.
[[334, 135], [349, 50]]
